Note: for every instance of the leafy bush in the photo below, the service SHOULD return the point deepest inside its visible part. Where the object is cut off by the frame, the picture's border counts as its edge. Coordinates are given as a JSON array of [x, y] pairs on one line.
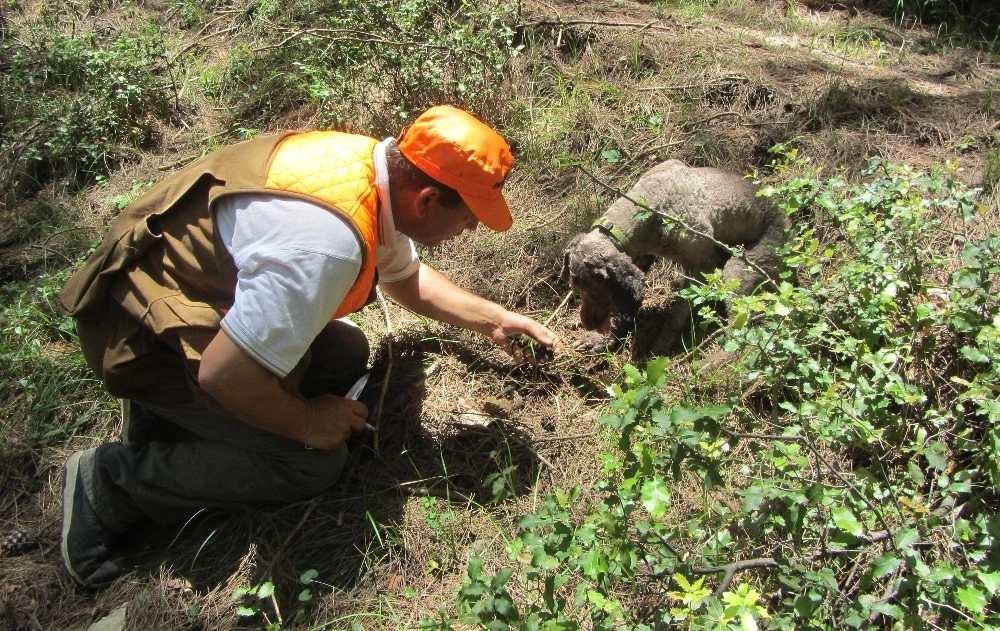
[[346, 60], [73, 106], [847, 467]]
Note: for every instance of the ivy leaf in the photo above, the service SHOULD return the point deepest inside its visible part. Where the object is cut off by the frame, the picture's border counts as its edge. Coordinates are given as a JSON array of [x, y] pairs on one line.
[[656, 497]]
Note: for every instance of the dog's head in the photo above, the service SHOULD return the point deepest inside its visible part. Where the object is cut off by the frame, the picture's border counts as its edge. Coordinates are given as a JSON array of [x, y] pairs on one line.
[[606, 279]]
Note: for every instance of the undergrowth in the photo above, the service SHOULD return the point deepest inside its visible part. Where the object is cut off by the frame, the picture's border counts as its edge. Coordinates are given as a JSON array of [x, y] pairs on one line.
[[378, 58], [58, 397], [848, 466], [845, 464], [75, 105]]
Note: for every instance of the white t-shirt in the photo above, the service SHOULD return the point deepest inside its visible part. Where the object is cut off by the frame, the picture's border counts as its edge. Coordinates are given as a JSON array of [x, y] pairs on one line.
[[296, 263]]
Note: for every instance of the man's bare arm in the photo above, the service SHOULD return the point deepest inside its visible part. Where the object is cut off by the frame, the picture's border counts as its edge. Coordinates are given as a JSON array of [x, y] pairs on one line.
[[430, 293], [254, 395]]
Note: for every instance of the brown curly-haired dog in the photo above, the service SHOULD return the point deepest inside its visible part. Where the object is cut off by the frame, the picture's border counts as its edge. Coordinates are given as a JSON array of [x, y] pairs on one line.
[[607, 265]]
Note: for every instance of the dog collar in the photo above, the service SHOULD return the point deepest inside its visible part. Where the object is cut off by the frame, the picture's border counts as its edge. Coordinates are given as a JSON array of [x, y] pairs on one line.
[[614, 232]]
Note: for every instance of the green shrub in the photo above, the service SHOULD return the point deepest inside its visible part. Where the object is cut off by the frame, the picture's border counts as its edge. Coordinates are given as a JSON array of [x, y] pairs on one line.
[[41, 368], [74, 106], [848, 466], [345, 62]]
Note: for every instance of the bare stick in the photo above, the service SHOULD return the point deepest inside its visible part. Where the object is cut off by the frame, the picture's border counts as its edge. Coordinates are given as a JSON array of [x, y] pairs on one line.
[[561, 305], [377, 414]]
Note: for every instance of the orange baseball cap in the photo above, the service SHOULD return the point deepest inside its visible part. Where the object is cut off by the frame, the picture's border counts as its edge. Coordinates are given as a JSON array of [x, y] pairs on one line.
[[460, 151]]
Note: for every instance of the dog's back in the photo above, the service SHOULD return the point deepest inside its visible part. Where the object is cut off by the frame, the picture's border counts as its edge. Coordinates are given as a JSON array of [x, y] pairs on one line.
[[721, 203]]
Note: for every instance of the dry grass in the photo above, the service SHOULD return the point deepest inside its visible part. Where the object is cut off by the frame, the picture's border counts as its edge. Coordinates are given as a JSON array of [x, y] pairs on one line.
[[601, 75]]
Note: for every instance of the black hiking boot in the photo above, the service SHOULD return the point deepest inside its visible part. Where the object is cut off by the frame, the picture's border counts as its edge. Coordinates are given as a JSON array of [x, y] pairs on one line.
[[88, 545]]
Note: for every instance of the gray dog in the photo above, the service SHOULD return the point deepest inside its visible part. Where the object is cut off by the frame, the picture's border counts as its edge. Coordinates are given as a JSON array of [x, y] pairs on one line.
[[607, 265]]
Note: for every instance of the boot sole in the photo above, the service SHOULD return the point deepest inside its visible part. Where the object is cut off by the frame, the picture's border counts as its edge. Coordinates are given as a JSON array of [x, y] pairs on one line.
[[70, 474]]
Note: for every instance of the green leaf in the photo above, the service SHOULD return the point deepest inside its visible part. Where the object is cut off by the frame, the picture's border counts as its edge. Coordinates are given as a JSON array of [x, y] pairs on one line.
[[974, 355], [941, 572], [265, 590], [971, 599], [656, 497], [844, 519], [936, 454], [245, 611], [501, 579], [885, 565], [305, 595], [655, 368], [308, 576], [906, 537], [888, 609], [475, 569], [991, 580], [612, 155]]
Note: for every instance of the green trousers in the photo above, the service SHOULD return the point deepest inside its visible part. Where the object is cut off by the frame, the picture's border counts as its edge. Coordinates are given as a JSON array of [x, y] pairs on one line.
[[175, 460]]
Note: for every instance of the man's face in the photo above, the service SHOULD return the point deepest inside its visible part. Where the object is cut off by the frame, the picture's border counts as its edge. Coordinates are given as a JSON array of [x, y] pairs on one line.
[[442, 223]]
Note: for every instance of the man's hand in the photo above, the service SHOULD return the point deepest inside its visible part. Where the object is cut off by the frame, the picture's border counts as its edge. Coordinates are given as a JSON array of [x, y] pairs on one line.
[[331, 420], [255, 396], [430, 293], [524, 339]]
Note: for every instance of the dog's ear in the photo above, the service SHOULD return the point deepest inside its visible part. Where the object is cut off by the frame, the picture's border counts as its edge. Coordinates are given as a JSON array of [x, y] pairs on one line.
[[567, 253], [644, 262], [627, 285]]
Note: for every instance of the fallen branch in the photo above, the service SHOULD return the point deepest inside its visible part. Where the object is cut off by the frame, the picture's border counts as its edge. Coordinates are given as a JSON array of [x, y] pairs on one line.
[[561, 24]]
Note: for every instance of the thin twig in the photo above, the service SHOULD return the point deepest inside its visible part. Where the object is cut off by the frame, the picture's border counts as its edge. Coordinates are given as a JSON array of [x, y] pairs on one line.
[[680, 223], [291, 535], [557, 309], [377, 414], [552, 439]]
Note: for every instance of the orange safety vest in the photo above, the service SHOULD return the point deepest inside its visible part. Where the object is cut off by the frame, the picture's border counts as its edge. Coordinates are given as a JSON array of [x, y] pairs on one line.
[[151, 296]]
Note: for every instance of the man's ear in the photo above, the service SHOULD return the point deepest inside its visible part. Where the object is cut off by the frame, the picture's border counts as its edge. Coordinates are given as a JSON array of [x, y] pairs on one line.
[[425, 199]]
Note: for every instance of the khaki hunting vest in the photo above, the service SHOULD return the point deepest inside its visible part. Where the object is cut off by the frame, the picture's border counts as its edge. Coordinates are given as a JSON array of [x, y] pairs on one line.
[[151, 297]]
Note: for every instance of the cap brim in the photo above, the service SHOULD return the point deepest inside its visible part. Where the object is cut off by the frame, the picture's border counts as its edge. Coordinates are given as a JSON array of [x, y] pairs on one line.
[[493, 213]]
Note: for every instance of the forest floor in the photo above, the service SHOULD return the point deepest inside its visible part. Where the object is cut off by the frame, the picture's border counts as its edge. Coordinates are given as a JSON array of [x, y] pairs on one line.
[[466, 440]]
